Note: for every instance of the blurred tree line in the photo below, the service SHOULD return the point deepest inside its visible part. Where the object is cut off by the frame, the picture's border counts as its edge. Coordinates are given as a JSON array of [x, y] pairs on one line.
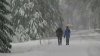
[[83, 14]]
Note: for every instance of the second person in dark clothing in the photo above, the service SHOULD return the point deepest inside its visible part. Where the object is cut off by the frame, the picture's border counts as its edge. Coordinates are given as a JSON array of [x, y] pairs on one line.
[[59, 33]]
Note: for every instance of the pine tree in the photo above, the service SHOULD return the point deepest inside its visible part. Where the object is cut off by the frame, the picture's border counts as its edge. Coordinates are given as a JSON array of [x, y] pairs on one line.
[[35, 18], [4, 28]]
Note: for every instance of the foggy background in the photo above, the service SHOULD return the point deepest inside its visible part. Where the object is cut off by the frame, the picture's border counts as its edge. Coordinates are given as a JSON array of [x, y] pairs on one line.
[[80, 14]]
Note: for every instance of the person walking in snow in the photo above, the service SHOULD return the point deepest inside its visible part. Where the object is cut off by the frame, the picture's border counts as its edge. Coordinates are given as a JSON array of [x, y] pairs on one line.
[[59, 33], [67, 35]]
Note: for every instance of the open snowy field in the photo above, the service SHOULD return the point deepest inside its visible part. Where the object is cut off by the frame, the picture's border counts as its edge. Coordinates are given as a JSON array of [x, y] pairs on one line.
[[83, 43]]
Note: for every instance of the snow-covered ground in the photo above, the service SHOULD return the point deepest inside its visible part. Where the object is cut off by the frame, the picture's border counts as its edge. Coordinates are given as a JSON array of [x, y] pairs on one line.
[[83, 43]]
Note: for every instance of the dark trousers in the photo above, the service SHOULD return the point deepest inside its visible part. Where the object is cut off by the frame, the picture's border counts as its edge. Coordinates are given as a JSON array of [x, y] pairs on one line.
[[67, 41], [59, 40]]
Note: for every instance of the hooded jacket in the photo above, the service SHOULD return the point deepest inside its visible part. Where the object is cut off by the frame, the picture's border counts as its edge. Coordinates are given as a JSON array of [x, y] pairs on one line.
[[67, 33]]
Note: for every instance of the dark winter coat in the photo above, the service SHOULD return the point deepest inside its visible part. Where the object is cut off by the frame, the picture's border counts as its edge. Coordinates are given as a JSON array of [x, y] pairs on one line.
[[59, 32], [67, 33]]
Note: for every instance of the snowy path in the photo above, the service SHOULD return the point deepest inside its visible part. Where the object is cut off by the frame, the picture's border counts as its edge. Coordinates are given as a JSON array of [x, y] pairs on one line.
[[80, 45]]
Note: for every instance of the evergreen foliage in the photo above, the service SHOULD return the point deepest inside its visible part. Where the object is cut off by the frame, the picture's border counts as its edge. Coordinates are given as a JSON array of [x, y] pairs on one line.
[[35, 18], [4, 28]]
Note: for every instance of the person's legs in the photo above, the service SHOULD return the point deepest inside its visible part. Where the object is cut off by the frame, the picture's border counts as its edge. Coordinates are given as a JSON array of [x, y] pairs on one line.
[[67, 41], [60, 40]]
